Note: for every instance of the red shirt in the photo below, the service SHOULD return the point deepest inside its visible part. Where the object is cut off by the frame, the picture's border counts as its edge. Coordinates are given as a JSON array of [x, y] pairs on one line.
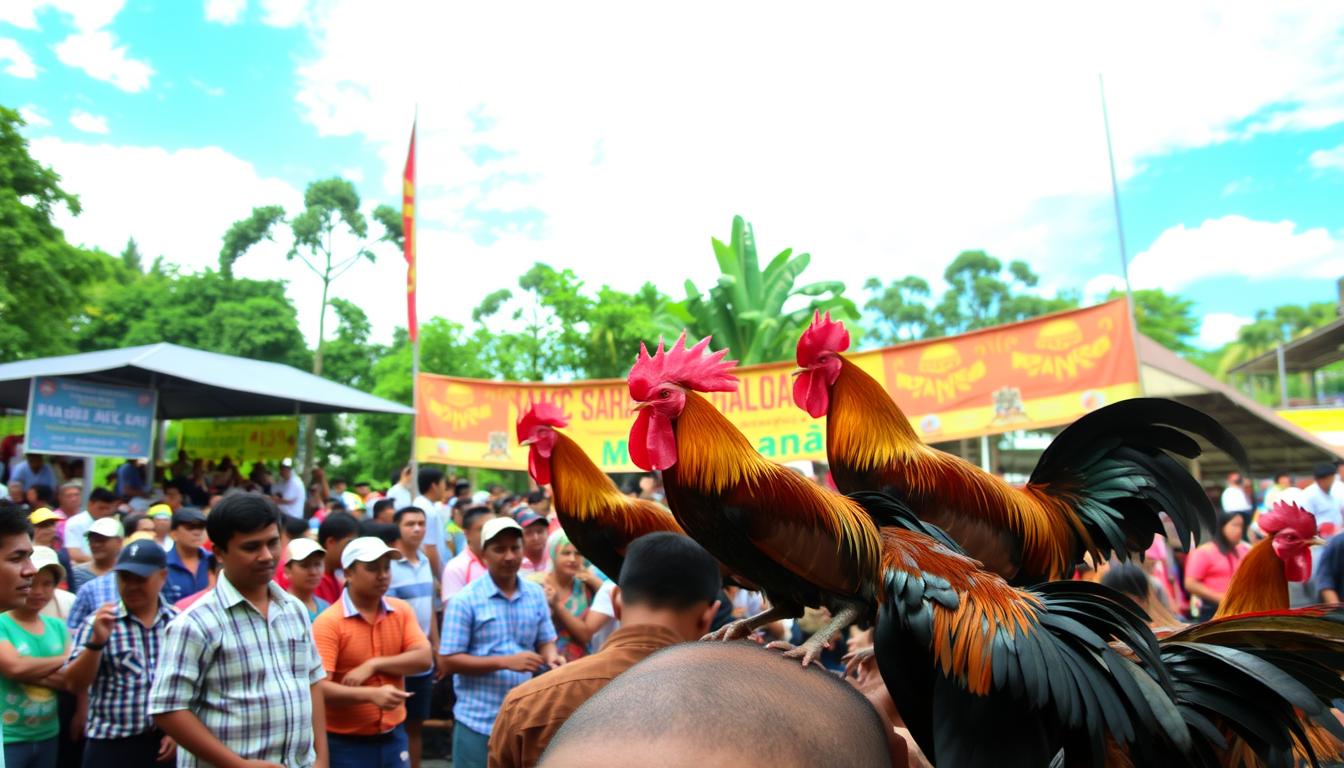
[[329, 588], [280, 577]]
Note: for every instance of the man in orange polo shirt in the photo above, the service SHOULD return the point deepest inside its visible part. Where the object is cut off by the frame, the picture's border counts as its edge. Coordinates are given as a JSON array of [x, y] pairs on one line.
[[368, 643]]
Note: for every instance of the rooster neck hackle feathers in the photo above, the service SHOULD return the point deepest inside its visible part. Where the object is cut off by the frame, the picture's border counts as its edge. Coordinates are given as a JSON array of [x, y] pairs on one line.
[[1259, 583], [582, 490]]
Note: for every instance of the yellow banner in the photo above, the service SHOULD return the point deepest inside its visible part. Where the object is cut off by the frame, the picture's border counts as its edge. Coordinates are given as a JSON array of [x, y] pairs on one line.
[[242, 440], [1039, 373], [1325, 423]]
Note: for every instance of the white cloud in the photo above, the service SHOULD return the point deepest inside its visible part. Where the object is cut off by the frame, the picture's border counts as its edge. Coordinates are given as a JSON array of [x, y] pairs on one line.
[[179, 203], [1218, 328], [1099, 287], [97, 53], [882, 139], [284, 13], [208, 90], [33, 116], [1236, 245], [88, 123], [224, 11], [1323, 159], [85, 15], [20, 63]]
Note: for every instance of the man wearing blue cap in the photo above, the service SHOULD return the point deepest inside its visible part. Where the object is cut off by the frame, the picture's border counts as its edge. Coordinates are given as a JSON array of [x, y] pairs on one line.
[[113, 659], [188, 562]]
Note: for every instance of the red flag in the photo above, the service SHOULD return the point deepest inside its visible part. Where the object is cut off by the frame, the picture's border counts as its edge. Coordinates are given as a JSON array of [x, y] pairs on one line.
[[408, 231]]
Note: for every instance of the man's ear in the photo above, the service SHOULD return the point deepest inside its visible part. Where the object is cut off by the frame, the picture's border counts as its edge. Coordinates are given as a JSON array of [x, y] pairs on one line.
[[707, 617], [616, 602]]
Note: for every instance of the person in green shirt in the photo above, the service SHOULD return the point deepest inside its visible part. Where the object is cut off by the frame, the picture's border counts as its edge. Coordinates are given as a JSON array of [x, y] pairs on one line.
[[33, 648]]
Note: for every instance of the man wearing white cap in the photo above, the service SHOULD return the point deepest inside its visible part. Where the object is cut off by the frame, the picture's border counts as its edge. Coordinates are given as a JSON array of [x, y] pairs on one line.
[[368, 642], [497, 632], [104, 545], [288, 491], [303, 572]]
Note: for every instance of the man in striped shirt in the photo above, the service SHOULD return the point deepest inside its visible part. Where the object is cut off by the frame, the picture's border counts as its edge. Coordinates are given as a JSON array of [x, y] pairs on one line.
[[237, 677], [413, 581], [113, 659]]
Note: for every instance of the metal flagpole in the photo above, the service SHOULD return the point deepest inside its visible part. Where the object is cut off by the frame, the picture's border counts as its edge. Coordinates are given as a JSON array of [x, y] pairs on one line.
[[1120, 232], [414, 288]]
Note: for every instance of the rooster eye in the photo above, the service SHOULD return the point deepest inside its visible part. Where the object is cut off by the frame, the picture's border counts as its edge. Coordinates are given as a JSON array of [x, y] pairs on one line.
[[665, 394]]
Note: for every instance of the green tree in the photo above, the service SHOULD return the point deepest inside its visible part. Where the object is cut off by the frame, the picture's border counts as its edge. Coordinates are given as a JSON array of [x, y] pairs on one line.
[[247, 318], [747, 310], [901, 309], [1165, 318], [350, 358], [563, 331], [130, 256], [44, 276], [331, 208], [979, 295]]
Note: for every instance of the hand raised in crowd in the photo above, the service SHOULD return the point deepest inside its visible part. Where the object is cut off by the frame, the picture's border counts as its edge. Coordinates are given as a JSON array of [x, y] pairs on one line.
[[102, 623], [167, 750], [524, 661], [554, 659], [553, 596], [388, 696], [589, 579], [359, 675]]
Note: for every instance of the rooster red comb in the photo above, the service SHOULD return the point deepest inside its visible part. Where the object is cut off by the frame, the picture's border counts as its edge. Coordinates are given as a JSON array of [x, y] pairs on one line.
[[541, 414], [1287, 515], [823, 335], [692, 367]]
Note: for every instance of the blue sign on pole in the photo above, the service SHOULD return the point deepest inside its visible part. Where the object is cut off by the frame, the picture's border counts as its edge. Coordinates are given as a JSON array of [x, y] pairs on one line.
[[78, 418]]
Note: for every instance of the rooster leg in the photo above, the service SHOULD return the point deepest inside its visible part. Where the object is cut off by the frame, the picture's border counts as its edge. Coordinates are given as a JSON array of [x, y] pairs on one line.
[[811, 649], [736, 630]]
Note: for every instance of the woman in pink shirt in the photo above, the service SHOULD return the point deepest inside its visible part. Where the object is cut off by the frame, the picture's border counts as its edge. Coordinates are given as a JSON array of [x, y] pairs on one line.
[[1209, 569]]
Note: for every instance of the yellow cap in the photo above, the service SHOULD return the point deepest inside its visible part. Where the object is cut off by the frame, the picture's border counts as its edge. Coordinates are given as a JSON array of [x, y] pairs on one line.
[[43, 515], [160, 511]]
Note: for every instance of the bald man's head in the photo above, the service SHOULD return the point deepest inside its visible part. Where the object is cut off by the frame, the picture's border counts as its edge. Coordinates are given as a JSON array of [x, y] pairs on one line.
[[703, 705]]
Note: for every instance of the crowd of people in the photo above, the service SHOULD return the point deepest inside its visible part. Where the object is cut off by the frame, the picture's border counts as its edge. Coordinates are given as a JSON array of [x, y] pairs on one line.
[[205, 618], [201, 617]]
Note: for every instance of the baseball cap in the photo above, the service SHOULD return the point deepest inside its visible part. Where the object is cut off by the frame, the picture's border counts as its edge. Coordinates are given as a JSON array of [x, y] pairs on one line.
[[480, 497], [287, 462], [107, 526], [366, 549], [45, 557], [302, 548], [497, 525], [43, 515], [527, 517], [143, 558], [188, 516], [1323, 470], [160, 511]]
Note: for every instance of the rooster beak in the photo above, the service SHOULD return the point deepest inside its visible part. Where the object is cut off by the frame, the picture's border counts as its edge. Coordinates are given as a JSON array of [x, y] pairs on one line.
[[798, 372], [1315, 541], [639, 406], [527, 442]]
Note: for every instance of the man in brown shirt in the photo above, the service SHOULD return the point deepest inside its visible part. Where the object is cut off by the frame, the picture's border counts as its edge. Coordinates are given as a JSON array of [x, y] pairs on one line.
[[666, 594]]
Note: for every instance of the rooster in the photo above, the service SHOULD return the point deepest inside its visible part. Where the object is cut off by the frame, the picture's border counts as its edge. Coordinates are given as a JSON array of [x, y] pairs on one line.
[[784, 535], [1260, 583], [983, 673], [1098, 488], [599, 519]]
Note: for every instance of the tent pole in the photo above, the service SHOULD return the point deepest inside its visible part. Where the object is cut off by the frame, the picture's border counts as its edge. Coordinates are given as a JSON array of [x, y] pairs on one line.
[[1120, 236], [1283, 376]]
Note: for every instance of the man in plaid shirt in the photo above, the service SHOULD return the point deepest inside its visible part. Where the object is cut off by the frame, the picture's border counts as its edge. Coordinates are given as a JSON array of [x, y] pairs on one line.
[[113, 659], [237, 678]]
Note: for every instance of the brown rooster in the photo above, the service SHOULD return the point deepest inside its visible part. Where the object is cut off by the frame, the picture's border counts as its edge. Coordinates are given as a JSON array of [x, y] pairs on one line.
[[1261, 581], [599, 519], [1098, 488]]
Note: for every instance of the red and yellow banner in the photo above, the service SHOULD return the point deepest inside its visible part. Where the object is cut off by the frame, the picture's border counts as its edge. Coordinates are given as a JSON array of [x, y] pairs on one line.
[[1039, 373], [408, 234]]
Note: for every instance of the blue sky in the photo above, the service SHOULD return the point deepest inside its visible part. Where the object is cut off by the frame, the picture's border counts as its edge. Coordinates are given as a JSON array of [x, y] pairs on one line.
[[616, 141]]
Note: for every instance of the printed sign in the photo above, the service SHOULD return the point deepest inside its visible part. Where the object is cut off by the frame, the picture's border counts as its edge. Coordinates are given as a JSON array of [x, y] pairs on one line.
[[1024, 376], [78, 418], [242, 440]]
